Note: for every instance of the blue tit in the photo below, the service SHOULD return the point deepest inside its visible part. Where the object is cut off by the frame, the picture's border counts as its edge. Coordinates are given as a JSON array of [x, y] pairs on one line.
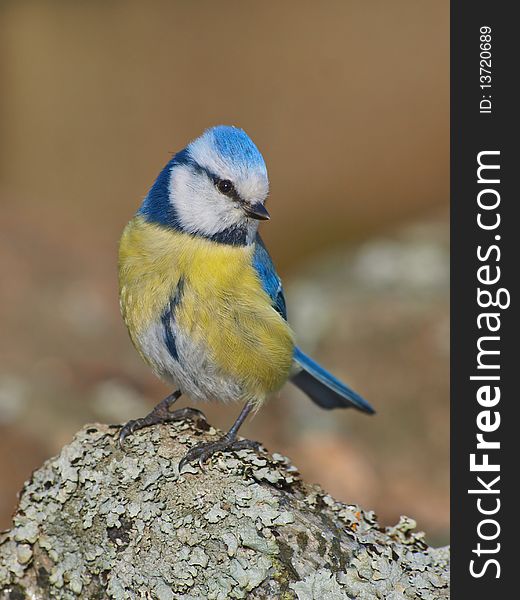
[[200, 296]]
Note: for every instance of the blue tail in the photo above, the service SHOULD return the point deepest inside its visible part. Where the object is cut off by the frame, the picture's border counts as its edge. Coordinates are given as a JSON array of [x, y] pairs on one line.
[[323, 388]]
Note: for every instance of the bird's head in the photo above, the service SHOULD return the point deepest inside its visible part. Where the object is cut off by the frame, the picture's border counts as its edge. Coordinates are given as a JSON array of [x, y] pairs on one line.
[[216, 188]]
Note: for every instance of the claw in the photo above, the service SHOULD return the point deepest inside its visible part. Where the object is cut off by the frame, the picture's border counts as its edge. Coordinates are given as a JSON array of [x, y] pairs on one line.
[[159, 414], [203, 452], [125, 431], [183, 462]]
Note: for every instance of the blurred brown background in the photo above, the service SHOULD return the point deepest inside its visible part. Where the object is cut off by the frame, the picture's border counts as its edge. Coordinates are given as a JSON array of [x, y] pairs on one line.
[[348, 101]]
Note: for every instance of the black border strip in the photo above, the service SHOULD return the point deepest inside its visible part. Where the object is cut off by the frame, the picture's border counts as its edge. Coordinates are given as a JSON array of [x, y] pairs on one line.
[[474, 132]]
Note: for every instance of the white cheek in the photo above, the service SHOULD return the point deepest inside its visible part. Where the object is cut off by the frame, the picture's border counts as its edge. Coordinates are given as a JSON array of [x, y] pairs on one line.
[[199, 206]]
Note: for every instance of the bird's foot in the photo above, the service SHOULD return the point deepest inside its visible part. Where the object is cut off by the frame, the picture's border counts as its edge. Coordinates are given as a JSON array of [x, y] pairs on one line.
[[160, 414], [203, 452]]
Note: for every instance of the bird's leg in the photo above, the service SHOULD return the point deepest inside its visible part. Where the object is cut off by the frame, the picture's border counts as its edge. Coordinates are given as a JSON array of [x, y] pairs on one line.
[[227, 443], [160, 414]]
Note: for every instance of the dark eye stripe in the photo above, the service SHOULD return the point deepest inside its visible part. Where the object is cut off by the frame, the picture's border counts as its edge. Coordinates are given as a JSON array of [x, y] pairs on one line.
[[226, 187]]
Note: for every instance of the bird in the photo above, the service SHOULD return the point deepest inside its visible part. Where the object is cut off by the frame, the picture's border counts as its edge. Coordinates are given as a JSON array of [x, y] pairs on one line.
[[201, 297]]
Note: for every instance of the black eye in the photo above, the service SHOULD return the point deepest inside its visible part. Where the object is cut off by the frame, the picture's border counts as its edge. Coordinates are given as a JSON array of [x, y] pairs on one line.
[[225, 187]]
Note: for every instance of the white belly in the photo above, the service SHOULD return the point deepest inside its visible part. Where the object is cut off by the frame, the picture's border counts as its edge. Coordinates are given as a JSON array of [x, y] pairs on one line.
[[193, 371]]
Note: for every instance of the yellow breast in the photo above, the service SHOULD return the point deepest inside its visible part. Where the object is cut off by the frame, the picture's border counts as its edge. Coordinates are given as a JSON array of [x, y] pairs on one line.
[[223, 304]]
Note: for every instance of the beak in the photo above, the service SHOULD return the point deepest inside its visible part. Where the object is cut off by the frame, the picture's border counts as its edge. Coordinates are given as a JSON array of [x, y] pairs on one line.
[[257, 211]]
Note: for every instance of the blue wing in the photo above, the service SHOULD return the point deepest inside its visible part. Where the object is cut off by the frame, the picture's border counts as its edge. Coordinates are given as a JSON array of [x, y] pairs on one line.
[[321, 387], [271, 283]]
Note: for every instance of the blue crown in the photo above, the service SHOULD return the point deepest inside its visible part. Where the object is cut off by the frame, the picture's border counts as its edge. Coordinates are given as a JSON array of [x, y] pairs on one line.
[[234, 145]]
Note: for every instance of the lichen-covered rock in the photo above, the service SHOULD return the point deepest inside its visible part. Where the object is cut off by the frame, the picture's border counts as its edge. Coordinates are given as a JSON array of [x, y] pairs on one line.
[[96, 522]]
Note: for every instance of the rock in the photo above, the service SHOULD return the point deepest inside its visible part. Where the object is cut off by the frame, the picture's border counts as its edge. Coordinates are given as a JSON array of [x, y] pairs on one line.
[[98, 522]]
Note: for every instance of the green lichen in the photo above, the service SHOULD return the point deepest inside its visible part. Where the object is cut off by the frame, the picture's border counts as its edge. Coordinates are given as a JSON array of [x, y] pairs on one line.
[[96, 522], [303, 540], [285, 557]]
